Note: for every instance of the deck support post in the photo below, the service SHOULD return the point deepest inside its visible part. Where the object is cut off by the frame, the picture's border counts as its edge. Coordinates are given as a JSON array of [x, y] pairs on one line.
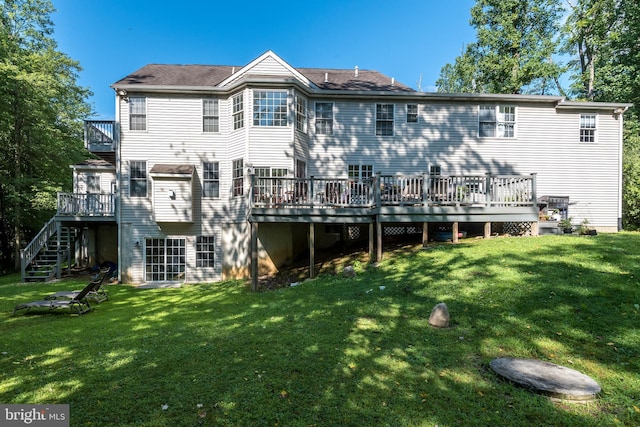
[[371, 243], [312, 251], [454, 232], [425, 234], [535, 230], [69, 250], [379, 241], [487, 230], [58, 250], [254, 256]]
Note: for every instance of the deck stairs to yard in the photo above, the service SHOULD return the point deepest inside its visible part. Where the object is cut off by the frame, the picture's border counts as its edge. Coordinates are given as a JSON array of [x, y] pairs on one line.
[[43, 257]]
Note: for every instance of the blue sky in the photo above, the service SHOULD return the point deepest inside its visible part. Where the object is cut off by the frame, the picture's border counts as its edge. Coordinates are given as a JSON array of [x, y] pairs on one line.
[[410, 40]]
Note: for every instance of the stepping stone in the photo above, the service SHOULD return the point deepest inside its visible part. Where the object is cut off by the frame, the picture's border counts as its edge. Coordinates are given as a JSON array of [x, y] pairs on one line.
[[547, 378]]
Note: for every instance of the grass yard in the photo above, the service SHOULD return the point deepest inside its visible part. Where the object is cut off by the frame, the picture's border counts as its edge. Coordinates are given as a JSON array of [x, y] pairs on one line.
[[345, 352]]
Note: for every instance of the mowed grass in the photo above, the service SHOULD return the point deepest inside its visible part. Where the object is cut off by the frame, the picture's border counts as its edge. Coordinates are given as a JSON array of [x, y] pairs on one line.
[[339, 351]]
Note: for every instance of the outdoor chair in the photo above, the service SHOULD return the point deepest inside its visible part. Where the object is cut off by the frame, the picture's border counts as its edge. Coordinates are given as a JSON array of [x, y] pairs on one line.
[[78, 304], [97, 291]]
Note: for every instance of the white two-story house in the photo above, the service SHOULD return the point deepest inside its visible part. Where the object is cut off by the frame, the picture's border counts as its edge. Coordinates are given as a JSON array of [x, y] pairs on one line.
[[214, 172]]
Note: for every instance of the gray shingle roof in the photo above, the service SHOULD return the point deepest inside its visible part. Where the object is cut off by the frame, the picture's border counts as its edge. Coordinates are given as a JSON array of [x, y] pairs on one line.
[[213, 75], [169, 169]]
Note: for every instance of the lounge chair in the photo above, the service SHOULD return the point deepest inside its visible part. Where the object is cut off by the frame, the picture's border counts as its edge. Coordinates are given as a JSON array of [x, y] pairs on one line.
[[77, 304], [97, 292]]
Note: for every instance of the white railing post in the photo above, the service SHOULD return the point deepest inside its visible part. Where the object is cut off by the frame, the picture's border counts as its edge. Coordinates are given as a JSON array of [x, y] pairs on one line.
[[489, 193]]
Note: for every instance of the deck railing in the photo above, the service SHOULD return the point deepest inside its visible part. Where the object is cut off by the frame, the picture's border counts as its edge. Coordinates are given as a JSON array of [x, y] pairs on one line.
[[395, 190], [99, 135], [86, 204], [312, 192]]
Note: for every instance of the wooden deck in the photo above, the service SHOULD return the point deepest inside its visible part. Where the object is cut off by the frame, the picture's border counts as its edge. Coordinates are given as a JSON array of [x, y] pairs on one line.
[[398, 198]]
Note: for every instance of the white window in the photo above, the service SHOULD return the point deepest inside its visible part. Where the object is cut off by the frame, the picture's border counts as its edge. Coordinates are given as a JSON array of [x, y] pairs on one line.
[[588, 126], [165, 260], [138, 178], [210, 180], [384, 119], [267, 188], [205, 251], [497, 121], [93, 184], [301, 169], [238, 111], [270, 108], [301, 114], [137, 113], [324, 118], [210, 115], [237, 181], [359, 172], [435, 170], [412, 113]]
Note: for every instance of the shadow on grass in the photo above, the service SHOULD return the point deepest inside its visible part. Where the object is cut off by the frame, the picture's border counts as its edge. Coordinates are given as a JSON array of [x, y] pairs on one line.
[[337, 351]]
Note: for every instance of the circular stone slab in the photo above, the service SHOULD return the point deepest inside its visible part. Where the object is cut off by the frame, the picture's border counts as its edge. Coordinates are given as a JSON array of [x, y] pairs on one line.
[[547, 378]]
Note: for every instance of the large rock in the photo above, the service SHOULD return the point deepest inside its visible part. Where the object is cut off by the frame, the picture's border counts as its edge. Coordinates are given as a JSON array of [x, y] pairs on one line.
[[547, 378], [440, 316], [349, 271]]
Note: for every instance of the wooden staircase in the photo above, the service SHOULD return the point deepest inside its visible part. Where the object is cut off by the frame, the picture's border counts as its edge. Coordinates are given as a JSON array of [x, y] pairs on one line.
[[42, 259]]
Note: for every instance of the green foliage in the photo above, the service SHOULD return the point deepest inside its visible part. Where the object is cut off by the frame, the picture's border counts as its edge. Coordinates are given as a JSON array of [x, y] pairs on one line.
[[40, 119], [343, 352], [516, 42]]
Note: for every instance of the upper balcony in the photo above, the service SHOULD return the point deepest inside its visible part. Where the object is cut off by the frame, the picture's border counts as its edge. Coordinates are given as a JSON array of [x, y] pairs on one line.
[[99, 135], [86, 207]]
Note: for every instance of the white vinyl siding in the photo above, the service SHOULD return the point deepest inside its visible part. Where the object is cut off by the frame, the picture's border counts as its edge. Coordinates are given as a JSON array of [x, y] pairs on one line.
[[172, 200]]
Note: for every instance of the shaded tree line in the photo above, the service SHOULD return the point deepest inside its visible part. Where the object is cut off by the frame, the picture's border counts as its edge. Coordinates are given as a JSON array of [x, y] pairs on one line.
[[41, 117], [533, 46]]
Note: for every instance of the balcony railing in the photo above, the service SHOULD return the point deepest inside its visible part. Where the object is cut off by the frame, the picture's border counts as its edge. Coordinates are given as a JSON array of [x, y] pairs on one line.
[[77, 204], [395, 190], [99, 135]]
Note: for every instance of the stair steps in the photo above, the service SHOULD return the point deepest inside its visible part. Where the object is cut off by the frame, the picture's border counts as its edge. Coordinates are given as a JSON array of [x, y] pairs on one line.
[[45, 264]]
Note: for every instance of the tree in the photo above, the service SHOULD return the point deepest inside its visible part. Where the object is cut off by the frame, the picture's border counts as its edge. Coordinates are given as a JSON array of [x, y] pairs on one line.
[[516, 43], [604, 37], [40, 121], [588, 30]]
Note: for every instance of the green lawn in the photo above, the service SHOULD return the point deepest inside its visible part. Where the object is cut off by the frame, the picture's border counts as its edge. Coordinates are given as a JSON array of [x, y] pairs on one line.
[[344, 352]]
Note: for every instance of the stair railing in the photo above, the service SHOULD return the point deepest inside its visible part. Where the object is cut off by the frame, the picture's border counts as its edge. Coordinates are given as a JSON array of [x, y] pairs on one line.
[[31, 250]]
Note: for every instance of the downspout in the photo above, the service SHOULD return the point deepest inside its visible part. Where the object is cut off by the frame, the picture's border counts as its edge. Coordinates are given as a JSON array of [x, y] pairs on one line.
[[117, 199], [620, 113]]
